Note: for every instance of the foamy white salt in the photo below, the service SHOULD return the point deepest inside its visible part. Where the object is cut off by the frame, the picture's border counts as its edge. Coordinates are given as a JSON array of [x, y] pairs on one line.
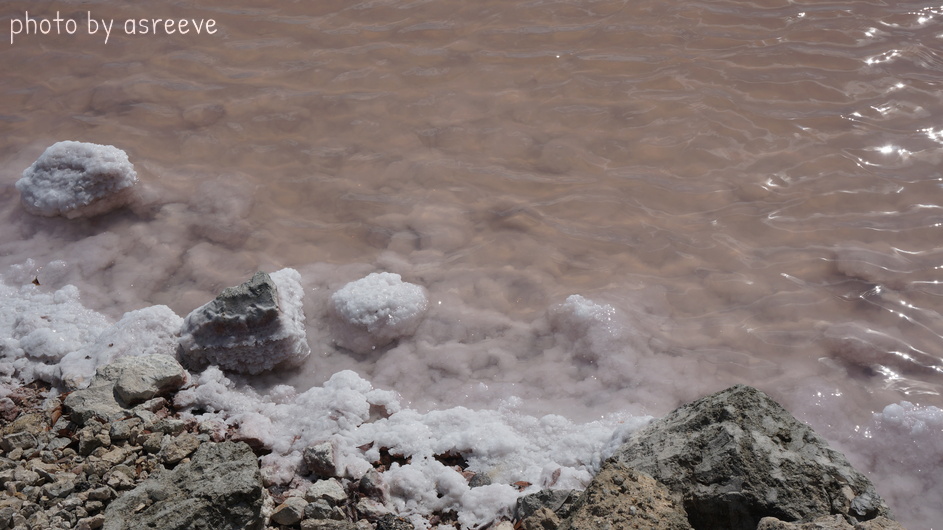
[[374, 311], [77, 179]]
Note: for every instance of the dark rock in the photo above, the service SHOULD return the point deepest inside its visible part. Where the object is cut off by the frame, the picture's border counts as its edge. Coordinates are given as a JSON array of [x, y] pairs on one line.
[[220, 488], [391, 522], [737, 456], [624, 498], [316, 524]]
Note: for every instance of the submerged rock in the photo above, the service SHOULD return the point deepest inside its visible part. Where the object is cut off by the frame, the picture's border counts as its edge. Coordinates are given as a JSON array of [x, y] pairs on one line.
[[376, 310], [251, 328], [77, 179], [220, 488], [737, 456]]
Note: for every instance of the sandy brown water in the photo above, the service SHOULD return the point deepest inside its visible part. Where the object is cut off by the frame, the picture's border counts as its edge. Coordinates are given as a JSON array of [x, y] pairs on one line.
[[753, 185]]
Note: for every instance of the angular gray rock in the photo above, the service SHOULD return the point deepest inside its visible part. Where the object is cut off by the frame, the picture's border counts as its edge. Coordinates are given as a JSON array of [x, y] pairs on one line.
[[624, 498], [737, 456], [118, 386], [250, 328], [219, 489]]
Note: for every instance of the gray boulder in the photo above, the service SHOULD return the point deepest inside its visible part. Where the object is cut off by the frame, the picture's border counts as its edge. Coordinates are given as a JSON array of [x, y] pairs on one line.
[[737, 456], [220, 488]]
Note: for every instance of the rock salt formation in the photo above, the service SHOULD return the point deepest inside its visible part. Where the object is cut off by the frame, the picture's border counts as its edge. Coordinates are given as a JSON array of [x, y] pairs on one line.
[[376, 310], [251, 328], [77, 179], [737, 456], [220, 487]]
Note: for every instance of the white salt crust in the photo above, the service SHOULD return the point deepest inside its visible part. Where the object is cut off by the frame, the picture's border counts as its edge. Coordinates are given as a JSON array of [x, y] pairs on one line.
[[376, 310], [77, 179]]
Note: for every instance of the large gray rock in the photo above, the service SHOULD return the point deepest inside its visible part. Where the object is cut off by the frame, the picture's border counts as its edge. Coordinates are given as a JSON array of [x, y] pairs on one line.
[[623, 498], [250, 328], [122, 384], [219, 489], [737, 456]]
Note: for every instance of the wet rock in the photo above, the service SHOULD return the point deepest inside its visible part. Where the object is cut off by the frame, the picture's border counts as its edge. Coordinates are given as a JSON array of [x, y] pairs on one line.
[[220, 487], [290, 512], [737, 456], [251, 328], [624, 498]]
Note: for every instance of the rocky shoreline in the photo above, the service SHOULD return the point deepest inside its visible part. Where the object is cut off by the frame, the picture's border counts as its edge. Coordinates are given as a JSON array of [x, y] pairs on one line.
[[118, 455]]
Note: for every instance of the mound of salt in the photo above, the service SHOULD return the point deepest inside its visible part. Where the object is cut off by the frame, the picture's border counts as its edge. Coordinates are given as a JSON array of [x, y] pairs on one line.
[[374, 311], [77, 179], [251, 328]]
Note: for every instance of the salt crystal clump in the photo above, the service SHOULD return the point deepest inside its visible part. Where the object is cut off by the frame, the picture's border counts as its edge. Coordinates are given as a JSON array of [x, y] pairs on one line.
[[590, 329], [77, 179], [251, 328], [376, 310]]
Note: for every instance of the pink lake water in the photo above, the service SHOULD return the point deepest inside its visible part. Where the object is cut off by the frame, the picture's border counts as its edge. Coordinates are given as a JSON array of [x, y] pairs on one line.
[[753, 187]]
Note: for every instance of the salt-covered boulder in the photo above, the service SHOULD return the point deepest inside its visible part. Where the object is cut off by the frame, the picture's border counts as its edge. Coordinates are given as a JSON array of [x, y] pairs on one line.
[[251, 328], [220, 487], [77, 179], [376, 310], [737, 456]]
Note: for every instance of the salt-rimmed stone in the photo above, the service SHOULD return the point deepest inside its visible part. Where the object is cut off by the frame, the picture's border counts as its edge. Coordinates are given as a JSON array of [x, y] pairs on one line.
[[251, 328], [376, 310], [77, 179]]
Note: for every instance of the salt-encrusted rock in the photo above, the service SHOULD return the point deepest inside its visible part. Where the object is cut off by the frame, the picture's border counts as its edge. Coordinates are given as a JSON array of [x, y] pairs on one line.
[[624, 498], [290, 512], [737, 456], [321, 459], [117, 386], [221, 487], [829, 522], [376, 310], [251, 328], [77, 179]]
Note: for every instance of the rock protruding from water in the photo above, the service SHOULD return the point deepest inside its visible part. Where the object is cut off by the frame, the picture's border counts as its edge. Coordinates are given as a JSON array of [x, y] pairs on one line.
[[123, 384], [251, 328], [219, 488], [77, 179], [737, 456]]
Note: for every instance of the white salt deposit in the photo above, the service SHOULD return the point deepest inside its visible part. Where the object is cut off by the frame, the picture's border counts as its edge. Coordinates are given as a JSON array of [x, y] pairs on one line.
[[505, 445], [211, 335], [77, 179], [376, 310]]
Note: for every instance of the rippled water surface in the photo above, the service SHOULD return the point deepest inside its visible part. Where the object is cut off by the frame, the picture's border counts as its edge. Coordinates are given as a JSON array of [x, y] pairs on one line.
[[752, 186]]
